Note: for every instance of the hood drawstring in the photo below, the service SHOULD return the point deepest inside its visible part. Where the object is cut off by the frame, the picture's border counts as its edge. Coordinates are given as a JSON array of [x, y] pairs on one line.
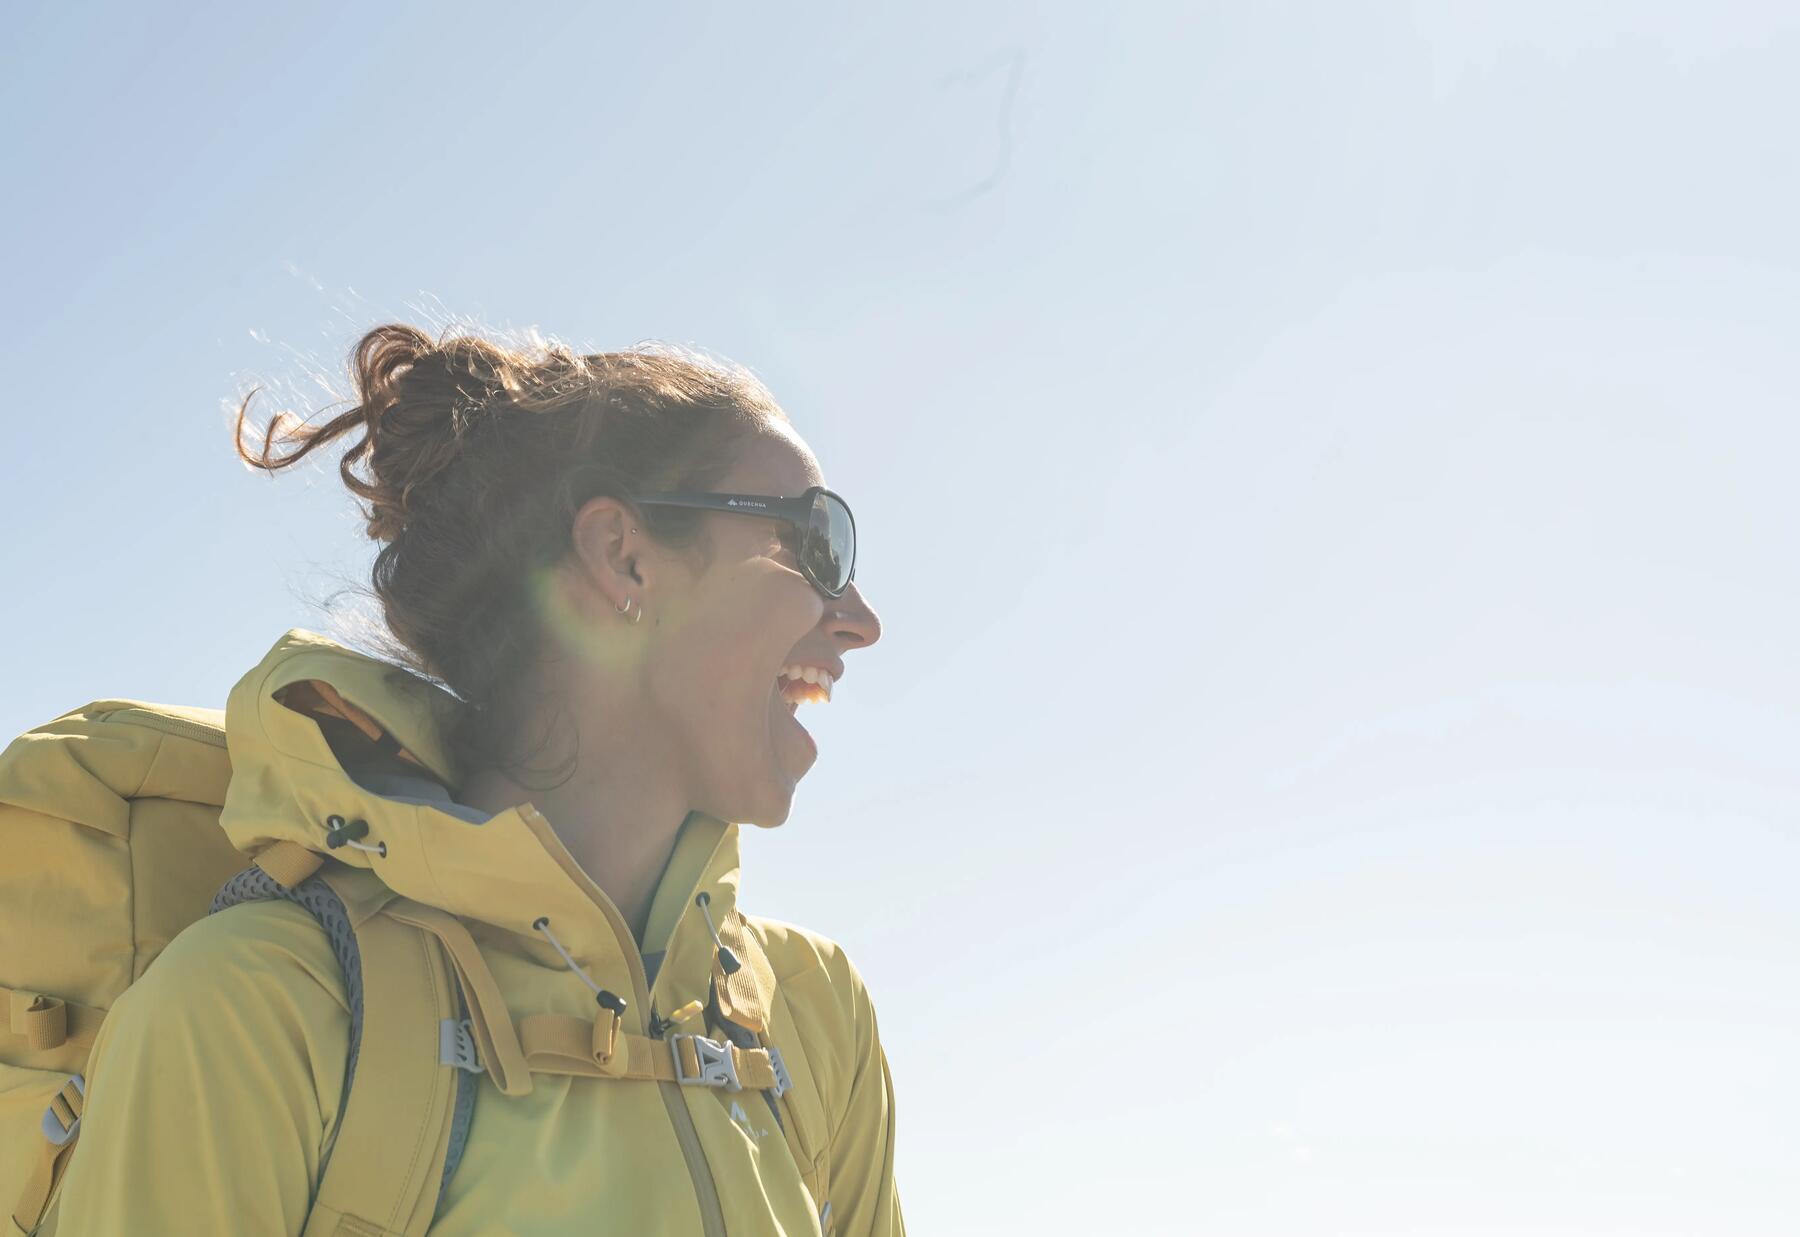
[[337, 834], [728, 961], [603, 997], [607, 999]]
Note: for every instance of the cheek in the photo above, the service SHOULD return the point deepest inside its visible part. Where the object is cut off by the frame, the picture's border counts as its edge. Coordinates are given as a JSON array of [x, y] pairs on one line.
[[726, 655]]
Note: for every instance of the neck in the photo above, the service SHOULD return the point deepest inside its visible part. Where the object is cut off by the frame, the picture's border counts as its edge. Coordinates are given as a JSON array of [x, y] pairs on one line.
[[618, 819]]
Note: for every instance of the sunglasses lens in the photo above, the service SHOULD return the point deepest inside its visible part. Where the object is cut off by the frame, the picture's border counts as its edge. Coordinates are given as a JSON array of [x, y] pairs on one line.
[[830, 549]]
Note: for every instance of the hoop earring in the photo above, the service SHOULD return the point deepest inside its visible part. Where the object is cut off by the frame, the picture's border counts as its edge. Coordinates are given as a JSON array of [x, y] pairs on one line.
[[627, 606]]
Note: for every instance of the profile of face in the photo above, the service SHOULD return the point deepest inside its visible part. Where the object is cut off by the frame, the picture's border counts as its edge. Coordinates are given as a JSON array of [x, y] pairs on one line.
[[704, 664]]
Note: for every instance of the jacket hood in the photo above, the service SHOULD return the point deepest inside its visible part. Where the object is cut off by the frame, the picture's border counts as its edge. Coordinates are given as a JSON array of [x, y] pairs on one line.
[[313, 712]]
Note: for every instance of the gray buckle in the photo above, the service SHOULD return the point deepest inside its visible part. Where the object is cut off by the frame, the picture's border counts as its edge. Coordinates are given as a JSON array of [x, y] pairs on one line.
[[716, 1068], [783, 1084], [52, 1125], [456, 1045]]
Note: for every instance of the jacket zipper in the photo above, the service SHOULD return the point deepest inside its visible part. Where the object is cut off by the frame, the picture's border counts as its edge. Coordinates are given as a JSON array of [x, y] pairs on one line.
[[706, 1190]]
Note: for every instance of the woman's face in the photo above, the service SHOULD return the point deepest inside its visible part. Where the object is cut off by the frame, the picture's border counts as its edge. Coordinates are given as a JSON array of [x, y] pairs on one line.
[[719, 636]]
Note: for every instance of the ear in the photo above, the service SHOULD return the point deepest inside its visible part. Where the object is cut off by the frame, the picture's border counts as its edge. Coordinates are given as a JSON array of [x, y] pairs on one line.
[[608, 553]]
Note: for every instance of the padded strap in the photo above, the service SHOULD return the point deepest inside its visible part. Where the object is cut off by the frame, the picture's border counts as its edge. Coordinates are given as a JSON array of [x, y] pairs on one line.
[[744, 998], [328, 899], [489, 1018], [393, 1134]]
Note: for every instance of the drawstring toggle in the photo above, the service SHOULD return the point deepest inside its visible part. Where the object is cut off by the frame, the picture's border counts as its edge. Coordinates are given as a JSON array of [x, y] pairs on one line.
[[605, 998], [728, 961], [338, 833]]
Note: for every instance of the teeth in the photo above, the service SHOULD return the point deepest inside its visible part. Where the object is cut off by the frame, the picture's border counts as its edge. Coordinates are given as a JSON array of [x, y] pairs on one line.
[[810, 674]]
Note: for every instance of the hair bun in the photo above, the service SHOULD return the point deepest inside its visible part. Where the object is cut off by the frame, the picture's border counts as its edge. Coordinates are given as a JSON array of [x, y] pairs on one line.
[[415, 406]]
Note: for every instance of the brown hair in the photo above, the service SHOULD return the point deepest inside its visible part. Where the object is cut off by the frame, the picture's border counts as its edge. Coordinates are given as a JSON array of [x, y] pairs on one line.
[[478, 455]]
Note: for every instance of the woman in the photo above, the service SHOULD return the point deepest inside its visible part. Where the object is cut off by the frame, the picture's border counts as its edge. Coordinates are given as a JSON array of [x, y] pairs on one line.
[[626, 569]]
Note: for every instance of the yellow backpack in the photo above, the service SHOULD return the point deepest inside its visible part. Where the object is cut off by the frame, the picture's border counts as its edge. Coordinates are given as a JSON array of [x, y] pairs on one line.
[[109, 824]]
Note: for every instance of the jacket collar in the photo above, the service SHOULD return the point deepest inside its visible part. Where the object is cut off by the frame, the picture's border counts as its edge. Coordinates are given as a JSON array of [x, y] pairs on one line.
[[312, 705]]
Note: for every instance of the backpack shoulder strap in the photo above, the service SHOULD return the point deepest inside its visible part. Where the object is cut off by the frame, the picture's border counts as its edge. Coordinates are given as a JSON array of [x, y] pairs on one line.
[[386, 1172], [745, 996], [404, 1112]]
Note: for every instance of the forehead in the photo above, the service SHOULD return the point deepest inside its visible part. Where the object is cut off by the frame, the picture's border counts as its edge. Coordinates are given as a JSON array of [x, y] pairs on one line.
[[777, 463]]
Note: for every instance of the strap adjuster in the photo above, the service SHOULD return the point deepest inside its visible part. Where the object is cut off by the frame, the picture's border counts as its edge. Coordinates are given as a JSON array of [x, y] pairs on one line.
[[58, 1134], [716, 1068], [456, 1045], [783, 1083]]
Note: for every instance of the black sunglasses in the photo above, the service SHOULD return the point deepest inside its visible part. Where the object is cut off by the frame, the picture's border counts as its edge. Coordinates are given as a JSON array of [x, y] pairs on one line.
[[826, 527]]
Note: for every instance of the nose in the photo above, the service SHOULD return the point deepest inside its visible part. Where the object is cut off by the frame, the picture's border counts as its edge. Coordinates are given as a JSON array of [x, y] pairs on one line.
[[850, 615]]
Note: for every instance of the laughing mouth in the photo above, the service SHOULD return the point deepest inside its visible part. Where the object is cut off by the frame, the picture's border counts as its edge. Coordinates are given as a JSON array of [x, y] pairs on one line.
[[798, 685]]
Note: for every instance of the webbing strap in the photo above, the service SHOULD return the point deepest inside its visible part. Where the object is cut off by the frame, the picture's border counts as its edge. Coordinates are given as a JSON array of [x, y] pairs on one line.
[[49, 1158], [46, 1022], [393, 1133], [489, 1019], [46, 1170], [289, 863], [744, 994], [596, 1048]]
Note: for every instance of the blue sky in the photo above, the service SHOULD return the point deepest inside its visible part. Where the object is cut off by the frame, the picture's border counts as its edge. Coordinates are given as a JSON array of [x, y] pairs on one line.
[[1325, 472]]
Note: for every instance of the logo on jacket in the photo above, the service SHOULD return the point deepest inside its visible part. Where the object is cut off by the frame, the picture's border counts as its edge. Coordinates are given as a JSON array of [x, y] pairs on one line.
[[743, 1118]]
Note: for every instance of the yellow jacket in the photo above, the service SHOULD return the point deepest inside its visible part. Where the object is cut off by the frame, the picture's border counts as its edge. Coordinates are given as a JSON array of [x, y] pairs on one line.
[[217, 1079]]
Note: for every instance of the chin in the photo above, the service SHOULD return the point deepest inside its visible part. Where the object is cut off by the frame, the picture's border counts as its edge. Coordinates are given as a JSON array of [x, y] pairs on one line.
[[765, 819], [767, 807]]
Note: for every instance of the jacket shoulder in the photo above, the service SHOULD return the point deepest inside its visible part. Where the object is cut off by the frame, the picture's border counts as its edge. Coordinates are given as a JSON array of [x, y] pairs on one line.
[[793, 950], [254, 948], [252, 993], [820, 988], [215, 1082]]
